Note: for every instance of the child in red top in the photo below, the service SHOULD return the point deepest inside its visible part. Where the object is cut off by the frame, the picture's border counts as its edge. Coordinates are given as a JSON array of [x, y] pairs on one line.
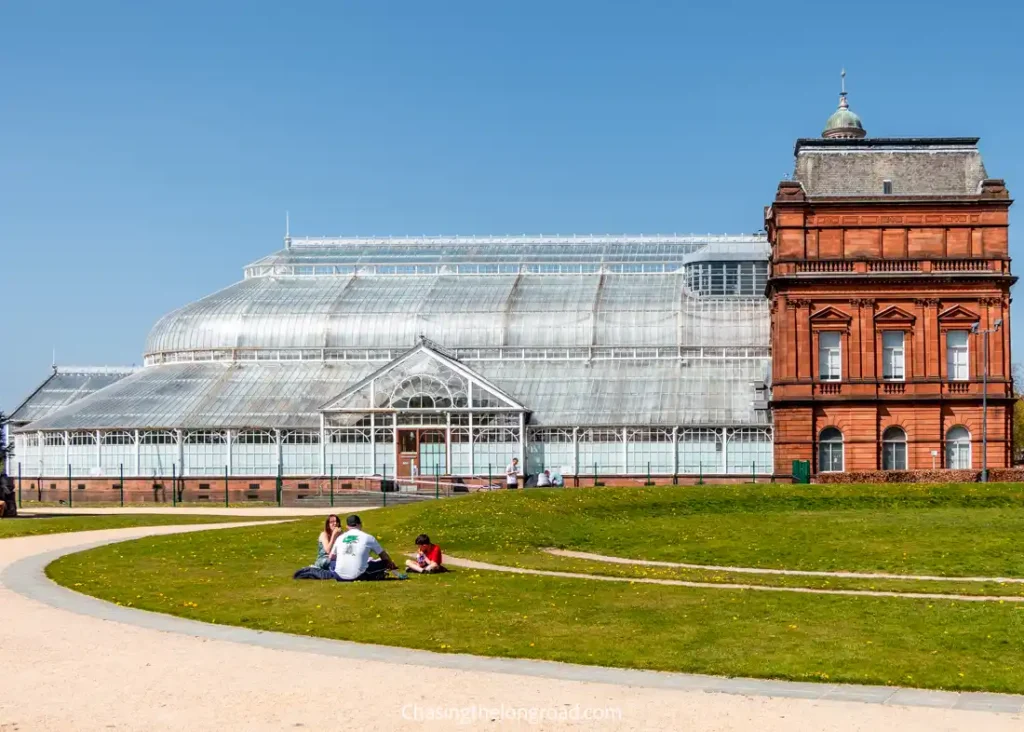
[[428, 557]]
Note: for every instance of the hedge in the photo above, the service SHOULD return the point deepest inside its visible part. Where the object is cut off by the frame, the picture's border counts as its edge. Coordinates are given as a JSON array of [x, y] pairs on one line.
[[995, 475]]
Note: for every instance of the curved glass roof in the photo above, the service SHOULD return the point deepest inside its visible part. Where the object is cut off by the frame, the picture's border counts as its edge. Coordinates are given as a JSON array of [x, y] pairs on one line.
[[581, 330], [475, 292], [463, 311], [290, 395]]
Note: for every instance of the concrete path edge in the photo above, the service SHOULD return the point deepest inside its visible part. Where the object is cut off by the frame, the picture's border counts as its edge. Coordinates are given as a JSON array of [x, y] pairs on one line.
[[27, 577]]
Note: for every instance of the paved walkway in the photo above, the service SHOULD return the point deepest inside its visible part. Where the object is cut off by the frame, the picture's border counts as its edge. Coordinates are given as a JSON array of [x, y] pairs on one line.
[[74, 662], [473, 564], [191, 511], [787, 572]]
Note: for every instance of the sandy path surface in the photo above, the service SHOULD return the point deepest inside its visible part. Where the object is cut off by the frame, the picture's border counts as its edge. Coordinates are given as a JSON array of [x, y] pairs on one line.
[[488, 567], [189, 511], [784, 572], [62, 670]]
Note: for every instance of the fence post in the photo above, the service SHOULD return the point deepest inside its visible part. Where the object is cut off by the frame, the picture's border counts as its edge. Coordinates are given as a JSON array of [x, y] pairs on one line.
[[384, 485], [648, 474], [700, 473], [437, 481], [490, 480], [20, 505], [279, 485], [332, 485], [174, 485], [595, 475], [753, 472], [121, 483], [70, 500], [226, 490]]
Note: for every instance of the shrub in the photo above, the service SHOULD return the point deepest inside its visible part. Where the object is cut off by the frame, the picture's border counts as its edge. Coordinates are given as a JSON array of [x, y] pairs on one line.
[[912, 476], [1006, 475]]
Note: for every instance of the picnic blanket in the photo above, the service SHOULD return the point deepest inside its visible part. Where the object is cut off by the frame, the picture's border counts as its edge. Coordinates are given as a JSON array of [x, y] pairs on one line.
[[314, 573]]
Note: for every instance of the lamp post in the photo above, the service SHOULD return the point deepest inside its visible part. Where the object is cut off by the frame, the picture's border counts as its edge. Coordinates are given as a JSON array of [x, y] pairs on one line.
[[976, 330]]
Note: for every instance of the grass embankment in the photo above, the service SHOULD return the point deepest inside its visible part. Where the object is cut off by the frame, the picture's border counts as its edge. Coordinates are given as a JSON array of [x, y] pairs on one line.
[[32, 525], [242, 577]]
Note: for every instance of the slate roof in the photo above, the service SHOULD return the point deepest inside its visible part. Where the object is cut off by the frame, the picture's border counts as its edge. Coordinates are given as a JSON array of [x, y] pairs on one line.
[[916, 166]]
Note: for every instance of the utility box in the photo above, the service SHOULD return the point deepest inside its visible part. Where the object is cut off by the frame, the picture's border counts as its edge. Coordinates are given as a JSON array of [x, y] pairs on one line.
[[801, 471]]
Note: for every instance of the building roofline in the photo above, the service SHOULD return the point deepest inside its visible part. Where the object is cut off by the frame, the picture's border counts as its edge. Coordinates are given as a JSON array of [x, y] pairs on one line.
[[883, 142], [59, 370], [315, 242], [26, 400]]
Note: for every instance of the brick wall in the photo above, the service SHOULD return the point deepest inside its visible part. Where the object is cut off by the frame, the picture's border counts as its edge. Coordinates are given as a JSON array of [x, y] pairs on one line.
[[860, 268]]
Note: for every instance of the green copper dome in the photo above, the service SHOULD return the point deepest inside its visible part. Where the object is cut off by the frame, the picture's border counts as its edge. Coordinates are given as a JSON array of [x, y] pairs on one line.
[[843, 122]]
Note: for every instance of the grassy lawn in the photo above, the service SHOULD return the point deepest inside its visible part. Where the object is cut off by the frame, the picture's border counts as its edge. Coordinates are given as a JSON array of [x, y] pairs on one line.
[[950, 530], [243, 577], [32, 526]]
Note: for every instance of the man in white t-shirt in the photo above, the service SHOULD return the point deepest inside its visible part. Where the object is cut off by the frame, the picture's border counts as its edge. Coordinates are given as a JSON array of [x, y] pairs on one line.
[[512, 474], [544, 479], [352, 554]]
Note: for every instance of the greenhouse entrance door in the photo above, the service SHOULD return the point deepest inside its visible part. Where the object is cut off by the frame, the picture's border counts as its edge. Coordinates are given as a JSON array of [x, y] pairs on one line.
[[422, 452], [407, 462]]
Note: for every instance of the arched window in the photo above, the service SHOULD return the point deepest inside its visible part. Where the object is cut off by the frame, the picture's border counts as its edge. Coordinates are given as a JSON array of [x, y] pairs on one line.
[[958, 448], [423, 392], [894, 449], [830, 451]]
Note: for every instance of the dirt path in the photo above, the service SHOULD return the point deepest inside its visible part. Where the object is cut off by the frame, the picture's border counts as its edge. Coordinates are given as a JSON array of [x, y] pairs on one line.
[[473, 564], [66, 667], [787, 572]]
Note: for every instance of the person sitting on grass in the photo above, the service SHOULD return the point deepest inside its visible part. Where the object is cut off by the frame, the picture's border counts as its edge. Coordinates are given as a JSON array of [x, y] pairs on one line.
[[352, 554], [325, 543], [428, 557]]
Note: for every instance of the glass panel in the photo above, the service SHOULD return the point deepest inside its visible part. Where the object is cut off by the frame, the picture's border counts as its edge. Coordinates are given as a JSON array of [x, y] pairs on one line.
[[433, 459], [892, 355], [829, 356], [407, 441], [956, 354]]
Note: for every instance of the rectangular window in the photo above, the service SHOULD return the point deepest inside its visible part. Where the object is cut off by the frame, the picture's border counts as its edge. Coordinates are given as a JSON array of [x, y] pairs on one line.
[[894, 456], [829, 356], [892, 355], [956, 355]]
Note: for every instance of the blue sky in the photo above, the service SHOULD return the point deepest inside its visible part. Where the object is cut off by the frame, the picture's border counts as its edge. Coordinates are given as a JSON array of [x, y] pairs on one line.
[[150, 150]]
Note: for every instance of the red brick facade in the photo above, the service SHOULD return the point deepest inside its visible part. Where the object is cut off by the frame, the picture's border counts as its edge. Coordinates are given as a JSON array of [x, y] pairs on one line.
[[858, 266]]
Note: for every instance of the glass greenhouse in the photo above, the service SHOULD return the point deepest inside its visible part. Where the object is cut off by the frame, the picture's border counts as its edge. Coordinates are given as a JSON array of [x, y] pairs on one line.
[[358, 356]]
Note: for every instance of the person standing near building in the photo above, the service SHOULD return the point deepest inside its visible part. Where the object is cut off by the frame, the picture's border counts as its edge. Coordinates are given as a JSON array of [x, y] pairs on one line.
[[512, 474]]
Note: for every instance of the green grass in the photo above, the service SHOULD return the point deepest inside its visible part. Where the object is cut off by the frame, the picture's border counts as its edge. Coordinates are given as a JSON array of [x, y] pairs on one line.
[[950, 530], [33, 526], [243, 577]]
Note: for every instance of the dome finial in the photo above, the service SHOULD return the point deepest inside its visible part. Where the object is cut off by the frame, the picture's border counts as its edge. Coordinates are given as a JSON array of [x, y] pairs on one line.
[[843, 123]]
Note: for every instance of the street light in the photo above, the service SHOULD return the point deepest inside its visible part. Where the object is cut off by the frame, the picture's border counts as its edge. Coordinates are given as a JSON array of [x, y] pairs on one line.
[[976, 329]]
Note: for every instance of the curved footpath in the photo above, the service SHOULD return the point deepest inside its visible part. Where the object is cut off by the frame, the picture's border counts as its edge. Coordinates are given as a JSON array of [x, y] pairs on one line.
[[488, 567], [74, 662], [784, 572]]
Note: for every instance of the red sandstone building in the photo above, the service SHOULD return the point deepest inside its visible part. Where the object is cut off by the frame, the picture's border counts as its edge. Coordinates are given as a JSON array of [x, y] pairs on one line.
[[889, 261]]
